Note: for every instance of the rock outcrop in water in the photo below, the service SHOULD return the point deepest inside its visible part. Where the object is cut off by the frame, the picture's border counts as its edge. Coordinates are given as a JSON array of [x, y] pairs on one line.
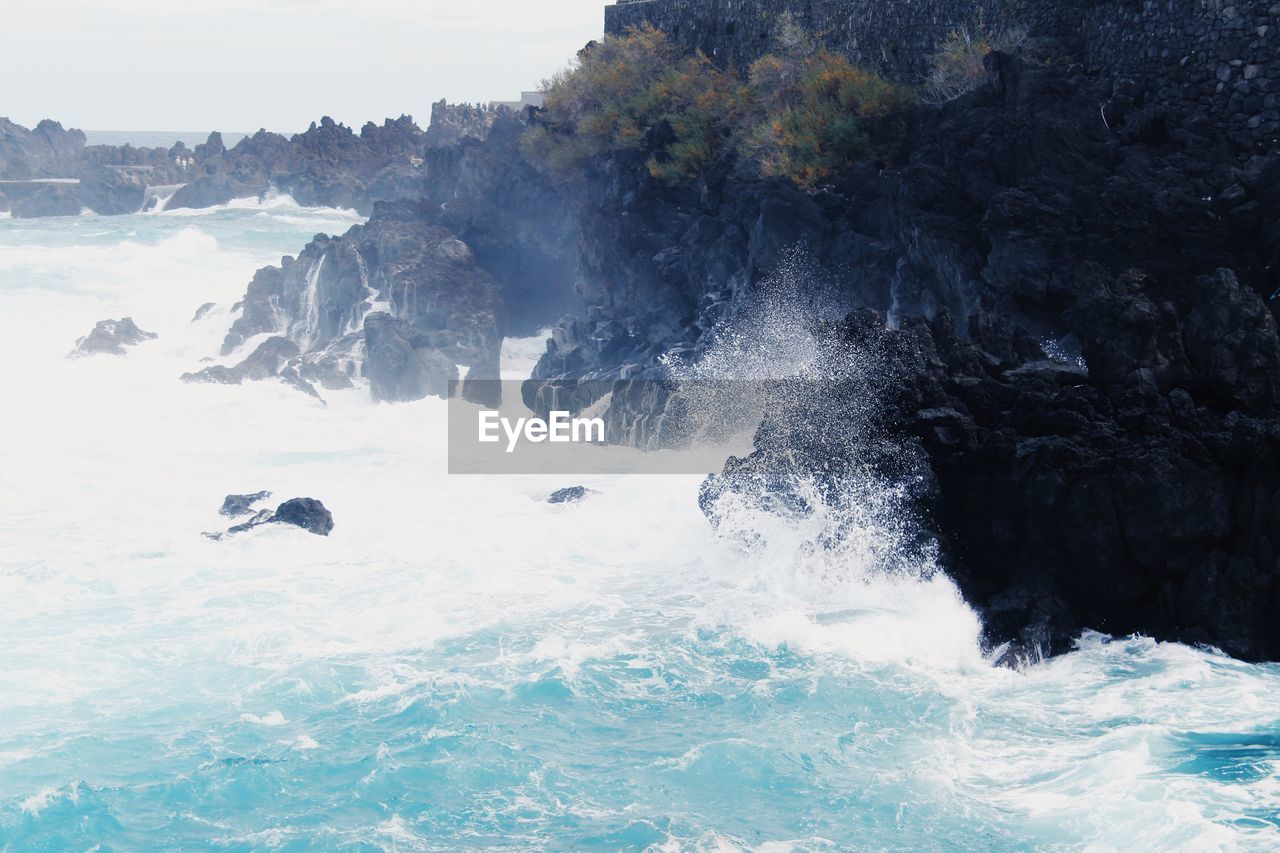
[[110, 337], [308, 513], [571, 495], [399, 298], [234, 506], [329, 165], [426, 285], [1077, 334], [47, 150], [105, 179]]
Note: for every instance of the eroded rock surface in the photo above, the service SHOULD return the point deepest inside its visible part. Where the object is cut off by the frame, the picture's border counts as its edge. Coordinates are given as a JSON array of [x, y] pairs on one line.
[[111, 337]]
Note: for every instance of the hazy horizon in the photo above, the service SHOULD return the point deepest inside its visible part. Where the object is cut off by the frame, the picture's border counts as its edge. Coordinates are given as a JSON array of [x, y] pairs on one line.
[[241, 65]]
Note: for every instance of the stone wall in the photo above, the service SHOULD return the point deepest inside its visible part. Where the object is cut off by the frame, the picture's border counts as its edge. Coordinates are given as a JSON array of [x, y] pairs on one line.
[[1213, 56], [896, 37], [1217, 57]]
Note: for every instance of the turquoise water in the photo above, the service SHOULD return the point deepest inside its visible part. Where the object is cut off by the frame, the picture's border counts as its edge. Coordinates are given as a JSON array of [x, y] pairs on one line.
[[462, 665]]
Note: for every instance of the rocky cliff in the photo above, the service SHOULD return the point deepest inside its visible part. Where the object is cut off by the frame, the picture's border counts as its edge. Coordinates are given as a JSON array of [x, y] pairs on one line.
[[1078, 335], [1048, 327], [483, 246]]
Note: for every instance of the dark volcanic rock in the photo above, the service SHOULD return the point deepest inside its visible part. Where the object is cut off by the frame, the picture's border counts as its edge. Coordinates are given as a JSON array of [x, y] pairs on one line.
[[307, 513], [444, 308], [1061, 505], [329, 165], [570, 494], [46, 151], [113, 178], [492, 244], [50, 200], [274, 358], [113, 192], [264, 362], [111, 337], [518, 223], [237, 505], [401, 364], [450, 124], [1075, 339]]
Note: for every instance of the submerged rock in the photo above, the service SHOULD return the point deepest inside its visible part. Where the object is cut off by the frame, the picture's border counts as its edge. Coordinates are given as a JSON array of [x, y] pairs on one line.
[[307, 513], [234, 506], [270, 360], [111, 337], [571, 494]]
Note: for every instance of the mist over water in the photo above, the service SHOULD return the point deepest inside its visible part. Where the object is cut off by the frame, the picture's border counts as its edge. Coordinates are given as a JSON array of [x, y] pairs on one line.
[[462, 664]]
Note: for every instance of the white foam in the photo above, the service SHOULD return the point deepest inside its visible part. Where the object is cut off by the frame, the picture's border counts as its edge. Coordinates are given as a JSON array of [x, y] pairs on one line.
[[111, 468]]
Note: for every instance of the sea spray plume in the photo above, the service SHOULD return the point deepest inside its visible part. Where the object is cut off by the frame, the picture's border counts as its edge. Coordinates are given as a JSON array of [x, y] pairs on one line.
[[751, 361], [826, 465]]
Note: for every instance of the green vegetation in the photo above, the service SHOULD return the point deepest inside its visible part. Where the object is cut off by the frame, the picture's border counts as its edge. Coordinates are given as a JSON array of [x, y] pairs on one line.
[[956, 66], [816, 112], [802, 113], [621, 91]]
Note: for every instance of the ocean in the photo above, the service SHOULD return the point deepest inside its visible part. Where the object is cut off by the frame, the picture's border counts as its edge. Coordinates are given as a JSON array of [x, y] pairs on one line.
[[461, 664]]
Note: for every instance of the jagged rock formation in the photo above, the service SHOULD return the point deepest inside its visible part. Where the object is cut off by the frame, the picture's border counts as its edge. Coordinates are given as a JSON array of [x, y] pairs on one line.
[[1077, 326], [401, 362], [111, 337], [427, 285], [1067, 287], [234, 506], [402, 297], [452, 123], [46, 151], [329, 165], [274, 358], [103, 178], [520, 226]]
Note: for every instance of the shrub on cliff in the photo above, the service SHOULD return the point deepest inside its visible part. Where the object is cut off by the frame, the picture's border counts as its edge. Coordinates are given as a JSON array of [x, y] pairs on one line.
[[814, 112], [956, 66], [803, 112], [633, 91]]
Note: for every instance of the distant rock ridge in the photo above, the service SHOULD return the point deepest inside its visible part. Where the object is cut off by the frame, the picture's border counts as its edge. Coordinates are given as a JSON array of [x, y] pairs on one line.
[[328, 165]]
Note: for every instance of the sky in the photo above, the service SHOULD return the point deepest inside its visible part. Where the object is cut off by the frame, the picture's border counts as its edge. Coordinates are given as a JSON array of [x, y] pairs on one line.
[[239, 65]]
